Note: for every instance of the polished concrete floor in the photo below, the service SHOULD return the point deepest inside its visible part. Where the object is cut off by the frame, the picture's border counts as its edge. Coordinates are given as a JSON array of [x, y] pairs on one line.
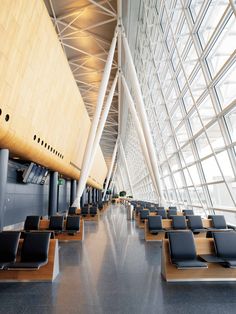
[[114, 271]]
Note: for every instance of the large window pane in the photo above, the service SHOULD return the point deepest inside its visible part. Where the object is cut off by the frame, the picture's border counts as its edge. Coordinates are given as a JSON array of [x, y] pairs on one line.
[[231, 124], [224, 46], [211, 170], [211, 19], [220, 196], [203, 146], [226, 88]]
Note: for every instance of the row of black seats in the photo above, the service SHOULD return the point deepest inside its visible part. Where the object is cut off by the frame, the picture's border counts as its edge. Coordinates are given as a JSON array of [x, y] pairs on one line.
[[33, 253], [144, 213], [194, 223], [185, 256], [56, 223], [86, 209]]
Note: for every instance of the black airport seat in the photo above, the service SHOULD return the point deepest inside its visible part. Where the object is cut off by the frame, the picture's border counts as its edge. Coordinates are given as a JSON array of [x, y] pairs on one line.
[[195, 224], [172, 212], [179, 223], [138, 209], [72, 210], [188, 212], [155, 224], [8, 247], [225, 246], [152, 209], [225, 249], [162, 213], [34, 251], [93, 211], [56, 223], [218, 224], [100, 206], [32, 223], [84, 210], [144, 214], [72, 224], [183, 251]]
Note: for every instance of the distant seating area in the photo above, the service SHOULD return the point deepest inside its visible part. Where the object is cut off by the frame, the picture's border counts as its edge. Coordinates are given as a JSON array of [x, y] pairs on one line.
[[34, 258], [196, 224]]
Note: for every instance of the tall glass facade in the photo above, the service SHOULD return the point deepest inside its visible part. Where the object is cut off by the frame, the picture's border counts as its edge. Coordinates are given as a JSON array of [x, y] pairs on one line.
[[185, 57]]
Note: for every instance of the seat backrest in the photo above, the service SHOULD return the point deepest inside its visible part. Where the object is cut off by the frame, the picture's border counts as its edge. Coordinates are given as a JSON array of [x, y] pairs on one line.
[[35, 247], [195, 222], [93, 210], [144, 213], [225, 244], [72, 210], [155, 222], [172, 212], [138, 209], [160, 208], [218, 222], [32, 223], [56, 223], [84, 210], [162, 213], [8, 245], [173, 207], [179, 222], [182, 246], [73, 223], [188, 212]]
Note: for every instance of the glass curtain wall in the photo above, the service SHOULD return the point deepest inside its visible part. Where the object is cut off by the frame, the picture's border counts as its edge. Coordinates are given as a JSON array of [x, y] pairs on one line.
[[185, 56]]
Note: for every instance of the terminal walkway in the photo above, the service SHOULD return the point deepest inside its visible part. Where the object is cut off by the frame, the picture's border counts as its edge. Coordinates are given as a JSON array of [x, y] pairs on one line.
[[114, 271]]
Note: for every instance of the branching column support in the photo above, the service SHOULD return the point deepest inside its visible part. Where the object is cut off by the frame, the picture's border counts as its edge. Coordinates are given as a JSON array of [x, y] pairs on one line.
[[110, 170], [143, 115], [126, 167], [140, 132], [93, 129]]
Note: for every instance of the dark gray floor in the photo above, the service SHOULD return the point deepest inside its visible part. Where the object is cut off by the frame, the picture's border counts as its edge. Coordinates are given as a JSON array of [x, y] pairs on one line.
[[114, 271]]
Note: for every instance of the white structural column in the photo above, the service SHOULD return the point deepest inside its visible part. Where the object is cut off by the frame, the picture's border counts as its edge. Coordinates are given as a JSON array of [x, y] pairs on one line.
[[102, 124], [126, 166], [110, 170], [143, 115], [140, 132], [94, 125]]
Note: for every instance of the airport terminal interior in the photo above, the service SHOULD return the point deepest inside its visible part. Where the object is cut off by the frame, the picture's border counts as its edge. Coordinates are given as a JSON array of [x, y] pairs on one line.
[[117, 156]]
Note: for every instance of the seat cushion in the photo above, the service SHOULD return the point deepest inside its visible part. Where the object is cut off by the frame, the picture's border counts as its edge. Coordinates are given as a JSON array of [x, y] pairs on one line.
[[190, 264], [26, 265]]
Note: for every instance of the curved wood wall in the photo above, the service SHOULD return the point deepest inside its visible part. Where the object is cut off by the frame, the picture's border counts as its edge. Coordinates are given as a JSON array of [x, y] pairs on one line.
[[42, 114]]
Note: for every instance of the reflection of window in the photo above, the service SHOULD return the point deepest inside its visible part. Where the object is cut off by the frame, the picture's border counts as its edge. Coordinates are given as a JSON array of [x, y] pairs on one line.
[[230, 119], [226, 88], [223, 47], [211, 19]]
